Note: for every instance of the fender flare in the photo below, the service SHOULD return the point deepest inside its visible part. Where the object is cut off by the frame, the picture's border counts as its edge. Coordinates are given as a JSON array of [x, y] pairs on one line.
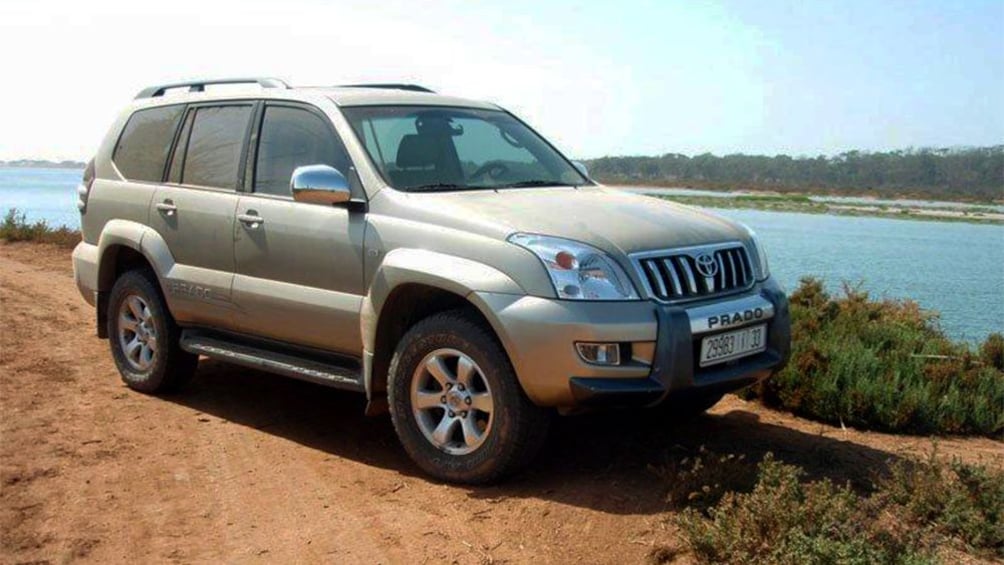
[[450, 273], [138, 237]]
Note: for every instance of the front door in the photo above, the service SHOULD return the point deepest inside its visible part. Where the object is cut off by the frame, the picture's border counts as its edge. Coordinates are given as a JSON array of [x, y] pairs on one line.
[[299, 266], [194, 212]]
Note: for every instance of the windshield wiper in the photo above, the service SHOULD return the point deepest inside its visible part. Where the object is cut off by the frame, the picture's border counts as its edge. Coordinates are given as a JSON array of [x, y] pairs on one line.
[[445, 186], [434, 186], [532, 183]]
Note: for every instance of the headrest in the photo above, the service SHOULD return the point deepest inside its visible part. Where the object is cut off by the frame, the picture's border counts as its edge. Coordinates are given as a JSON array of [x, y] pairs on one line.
[[417, 151]]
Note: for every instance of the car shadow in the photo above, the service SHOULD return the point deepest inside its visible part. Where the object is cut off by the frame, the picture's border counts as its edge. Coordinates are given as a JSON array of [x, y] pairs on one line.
[[607, 461]]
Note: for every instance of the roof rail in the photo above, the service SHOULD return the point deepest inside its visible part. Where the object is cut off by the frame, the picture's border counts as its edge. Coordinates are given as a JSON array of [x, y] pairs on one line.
[[391, 86], [200, 85]]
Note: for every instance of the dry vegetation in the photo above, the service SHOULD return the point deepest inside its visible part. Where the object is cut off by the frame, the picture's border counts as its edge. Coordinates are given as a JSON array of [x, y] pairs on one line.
[[733, 511], [885, 365], [16, 227]]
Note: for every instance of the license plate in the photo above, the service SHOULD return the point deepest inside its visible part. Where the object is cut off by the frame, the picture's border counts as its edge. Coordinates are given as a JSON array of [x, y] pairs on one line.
[[733, 345]]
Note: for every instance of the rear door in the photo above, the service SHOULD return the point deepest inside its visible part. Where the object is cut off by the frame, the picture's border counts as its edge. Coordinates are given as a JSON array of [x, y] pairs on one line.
[[194, 211], [140, 157], [299, 266]]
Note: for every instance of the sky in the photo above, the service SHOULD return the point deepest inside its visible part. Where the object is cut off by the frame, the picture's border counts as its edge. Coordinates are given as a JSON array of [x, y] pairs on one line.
[[596, 78]]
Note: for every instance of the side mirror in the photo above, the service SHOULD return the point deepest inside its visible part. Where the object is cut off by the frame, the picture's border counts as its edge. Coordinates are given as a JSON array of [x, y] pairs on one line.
[[319, 184], [581, 167]]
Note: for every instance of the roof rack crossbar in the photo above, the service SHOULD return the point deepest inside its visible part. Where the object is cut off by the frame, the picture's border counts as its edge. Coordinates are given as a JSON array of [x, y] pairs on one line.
[[200, 85], [391, 86]]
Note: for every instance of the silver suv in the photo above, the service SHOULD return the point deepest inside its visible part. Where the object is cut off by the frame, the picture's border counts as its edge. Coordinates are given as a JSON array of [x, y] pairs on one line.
[[433, 253]]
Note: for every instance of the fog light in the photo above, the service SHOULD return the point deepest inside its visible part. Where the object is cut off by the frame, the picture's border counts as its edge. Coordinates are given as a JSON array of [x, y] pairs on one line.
[[600, 353]]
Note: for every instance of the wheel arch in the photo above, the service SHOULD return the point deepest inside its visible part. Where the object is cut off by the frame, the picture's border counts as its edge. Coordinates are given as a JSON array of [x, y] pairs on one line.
[[411, 285], [126, 245]]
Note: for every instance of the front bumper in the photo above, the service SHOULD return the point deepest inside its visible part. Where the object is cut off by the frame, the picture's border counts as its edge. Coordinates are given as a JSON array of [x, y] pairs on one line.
[[540, 334]]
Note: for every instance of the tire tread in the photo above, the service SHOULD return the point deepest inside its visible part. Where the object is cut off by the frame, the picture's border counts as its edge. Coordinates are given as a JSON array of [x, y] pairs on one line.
[[529, 423], [177, 366]]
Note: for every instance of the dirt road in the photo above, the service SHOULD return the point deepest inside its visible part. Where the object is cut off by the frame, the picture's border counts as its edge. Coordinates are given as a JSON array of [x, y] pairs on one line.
[[244, 466]]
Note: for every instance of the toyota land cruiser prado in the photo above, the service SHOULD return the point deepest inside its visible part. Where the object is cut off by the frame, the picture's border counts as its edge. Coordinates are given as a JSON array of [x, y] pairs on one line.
[[433, 253]]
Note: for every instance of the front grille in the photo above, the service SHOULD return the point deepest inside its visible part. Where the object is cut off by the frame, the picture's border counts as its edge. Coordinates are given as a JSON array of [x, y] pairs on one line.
[[684, 275]]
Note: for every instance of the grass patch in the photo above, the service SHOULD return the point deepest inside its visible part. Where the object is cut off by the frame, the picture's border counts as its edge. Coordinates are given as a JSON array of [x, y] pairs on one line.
[[775, 198], [885, 365], [918, 508], [16, 227]]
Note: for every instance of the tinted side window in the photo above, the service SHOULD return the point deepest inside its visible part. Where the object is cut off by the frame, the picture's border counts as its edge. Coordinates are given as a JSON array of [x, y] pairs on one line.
[[291, 138], [214, 146], [145, 142], [174, 173]]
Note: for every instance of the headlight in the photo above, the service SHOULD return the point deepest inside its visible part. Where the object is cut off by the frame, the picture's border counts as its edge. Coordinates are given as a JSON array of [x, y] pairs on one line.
[[578, 271], [763, 270]]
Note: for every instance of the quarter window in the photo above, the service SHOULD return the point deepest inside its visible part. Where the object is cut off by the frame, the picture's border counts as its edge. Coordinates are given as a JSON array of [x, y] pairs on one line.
[[145, 142], [291, 138], [213, 154]]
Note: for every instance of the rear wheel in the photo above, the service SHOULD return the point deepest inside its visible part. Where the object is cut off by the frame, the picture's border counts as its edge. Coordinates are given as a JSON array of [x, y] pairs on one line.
[[456, 404], [144, 337]]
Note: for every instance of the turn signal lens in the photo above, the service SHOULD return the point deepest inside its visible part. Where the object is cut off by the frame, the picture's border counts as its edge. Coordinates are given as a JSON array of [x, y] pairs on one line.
[[565, 260]]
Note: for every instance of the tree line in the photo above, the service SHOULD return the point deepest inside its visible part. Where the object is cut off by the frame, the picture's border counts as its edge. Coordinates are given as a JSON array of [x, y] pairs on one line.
[[41, 164], [970, 173]]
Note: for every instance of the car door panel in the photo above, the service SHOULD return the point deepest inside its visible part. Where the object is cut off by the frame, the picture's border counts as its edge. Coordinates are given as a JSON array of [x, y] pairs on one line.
[[198, 229], [299, 265], [299, 273]]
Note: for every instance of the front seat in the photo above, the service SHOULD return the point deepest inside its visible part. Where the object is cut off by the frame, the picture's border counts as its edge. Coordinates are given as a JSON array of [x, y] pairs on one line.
[[420, 160]]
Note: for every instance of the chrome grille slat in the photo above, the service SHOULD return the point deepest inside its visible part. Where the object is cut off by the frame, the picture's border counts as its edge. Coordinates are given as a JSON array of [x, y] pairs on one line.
[[684, 263], [657, 277], [674, 275], [747, 266], [732, 268]]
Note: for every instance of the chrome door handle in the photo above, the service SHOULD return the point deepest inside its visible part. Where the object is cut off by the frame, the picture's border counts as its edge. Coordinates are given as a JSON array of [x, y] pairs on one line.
[[251, 219], [167, 208]]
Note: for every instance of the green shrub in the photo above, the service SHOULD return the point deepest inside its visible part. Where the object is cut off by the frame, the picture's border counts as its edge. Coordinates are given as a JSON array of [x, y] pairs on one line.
[[916, 509], [992, 351], [783, 520], [954, 499], [885, 365], [16, 227]]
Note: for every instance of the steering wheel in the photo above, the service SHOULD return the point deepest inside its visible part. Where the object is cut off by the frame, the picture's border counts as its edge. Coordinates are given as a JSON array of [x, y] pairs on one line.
[[493, 169]]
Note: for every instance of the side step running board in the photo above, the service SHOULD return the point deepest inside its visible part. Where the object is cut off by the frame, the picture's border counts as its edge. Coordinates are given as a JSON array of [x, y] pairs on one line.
[[261, 357]]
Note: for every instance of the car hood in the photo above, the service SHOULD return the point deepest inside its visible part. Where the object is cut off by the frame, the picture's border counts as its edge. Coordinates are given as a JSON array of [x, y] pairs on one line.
[[610, 219]]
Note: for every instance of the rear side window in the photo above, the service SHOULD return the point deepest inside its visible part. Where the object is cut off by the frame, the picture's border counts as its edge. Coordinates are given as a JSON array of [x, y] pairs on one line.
[[291, 138], [215, 143], [146, 141]]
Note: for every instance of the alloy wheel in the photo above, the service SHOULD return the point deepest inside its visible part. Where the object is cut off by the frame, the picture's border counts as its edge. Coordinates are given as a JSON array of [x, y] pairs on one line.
[[137, 333], [451, 401]]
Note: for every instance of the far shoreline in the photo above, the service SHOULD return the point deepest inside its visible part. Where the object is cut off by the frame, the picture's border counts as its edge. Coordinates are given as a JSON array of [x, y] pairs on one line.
[[801, 203], [42, 164], [848, 192]]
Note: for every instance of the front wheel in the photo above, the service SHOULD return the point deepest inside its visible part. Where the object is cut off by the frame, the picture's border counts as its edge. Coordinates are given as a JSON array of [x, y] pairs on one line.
[[456, 405]]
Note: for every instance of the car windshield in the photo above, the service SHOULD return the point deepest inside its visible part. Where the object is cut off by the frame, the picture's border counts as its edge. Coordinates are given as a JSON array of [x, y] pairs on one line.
[[431, 148]]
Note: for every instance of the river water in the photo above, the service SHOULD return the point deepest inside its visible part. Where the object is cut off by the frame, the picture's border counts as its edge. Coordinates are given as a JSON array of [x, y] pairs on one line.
[[952, 267]]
